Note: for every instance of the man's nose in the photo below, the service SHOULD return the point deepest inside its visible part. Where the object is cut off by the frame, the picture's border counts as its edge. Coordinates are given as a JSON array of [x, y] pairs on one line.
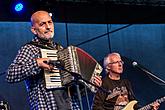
[[47, 26], [120, 63]]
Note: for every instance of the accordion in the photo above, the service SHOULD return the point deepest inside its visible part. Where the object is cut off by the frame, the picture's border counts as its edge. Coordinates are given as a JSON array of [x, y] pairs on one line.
[[75, 60]]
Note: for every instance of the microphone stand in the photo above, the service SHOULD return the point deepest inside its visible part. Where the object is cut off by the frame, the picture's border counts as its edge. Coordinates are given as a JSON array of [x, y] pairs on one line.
[[151, 74], [77, 78]]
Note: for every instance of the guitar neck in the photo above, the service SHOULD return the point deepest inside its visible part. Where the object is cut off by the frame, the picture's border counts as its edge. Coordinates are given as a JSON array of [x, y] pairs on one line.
[[149, 106]]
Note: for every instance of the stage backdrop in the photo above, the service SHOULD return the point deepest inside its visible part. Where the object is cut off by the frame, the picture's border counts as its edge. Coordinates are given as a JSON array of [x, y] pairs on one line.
[[143, 43]]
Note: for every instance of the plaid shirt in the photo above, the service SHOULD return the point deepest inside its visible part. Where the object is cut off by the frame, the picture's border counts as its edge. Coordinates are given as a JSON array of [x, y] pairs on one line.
[[25, 68]]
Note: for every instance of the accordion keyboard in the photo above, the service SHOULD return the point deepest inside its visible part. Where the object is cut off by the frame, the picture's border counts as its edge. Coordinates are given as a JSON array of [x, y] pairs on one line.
[[52, 78]]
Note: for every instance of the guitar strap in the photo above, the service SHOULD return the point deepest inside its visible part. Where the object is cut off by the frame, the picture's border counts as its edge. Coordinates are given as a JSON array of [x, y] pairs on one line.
[[131, 94], [129, 88]]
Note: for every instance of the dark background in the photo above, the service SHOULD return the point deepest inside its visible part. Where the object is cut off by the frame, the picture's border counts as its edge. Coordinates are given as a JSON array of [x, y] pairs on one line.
[[133, 28]]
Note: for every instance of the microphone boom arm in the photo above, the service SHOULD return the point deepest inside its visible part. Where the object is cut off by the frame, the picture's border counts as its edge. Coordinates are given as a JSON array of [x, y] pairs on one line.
[[135, 64]]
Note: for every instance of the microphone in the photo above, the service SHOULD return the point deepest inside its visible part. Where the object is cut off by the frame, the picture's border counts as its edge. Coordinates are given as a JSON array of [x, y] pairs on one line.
[[134, 63], [61, 65], [57, 63]]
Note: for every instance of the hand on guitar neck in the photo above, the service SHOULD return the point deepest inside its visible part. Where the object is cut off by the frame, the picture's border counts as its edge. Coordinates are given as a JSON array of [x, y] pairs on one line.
[[152, 106], [155, 106]]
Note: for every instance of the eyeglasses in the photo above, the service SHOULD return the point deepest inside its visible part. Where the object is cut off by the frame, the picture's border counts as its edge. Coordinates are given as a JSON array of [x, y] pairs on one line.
[[117, 62]]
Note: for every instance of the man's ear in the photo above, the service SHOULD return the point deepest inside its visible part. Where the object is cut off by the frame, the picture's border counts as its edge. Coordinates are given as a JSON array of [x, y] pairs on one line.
[[33, 30], [108, 68]]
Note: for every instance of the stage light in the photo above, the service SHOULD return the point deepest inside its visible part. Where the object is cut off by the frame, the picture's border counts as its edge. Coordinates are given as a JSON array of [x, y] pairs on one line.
[[19, 7]]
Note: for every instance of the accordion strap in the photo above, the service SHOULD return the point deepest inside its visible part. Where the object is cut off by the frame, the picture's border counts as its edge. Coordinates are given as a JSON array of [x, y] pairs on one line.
[[57, 45]]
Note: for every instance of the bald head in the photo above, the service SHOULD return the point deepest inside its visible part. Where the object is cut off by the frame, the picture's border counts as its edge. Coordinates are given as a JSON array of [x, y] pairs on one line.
[[42, 25], [37, 16]]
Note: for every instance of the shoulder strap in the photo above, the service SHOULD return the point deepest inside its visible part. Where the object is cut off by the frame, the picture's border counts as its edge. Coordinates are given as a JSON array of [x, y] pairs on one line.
[[57, 46], [129, 87]]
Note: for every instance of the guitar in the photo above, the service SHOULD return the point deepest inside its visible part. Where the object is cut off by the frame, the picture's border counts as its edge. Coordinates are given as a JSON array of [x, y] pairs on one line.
[[131, 104]]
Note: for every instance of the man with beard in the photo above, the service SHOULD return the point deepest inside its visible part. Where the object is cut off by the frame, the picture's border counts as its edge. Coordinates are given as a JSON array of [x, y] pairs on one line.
[[28, 66]]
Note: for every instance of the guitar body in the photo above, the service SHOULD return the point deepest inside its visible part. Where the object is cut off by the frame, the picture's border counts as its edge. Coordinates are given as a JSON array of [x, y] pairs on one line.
[[130, 105]]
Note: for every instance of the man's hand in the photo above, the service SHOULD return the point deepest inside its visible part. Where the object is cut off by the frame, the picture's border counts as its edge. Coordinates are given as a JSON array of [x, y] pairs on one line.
[[97, 80], [42, 62], [155, 106]]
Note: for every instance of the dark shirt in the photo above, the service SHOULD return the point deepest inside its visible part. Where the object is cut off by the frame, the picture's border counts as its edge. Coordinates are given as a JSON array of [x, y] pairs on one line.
[[121, 94]]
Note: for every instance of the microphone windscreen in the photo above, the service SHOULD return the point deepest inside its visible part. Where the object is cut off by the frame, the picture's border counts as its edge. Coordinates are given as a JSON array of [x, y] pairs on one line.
[[134, 63]]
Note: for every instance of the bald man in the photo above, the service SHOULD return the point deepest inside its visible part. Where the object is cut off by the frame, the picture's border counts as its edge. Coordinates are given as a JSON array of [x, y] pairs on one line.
[[28, 66]]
